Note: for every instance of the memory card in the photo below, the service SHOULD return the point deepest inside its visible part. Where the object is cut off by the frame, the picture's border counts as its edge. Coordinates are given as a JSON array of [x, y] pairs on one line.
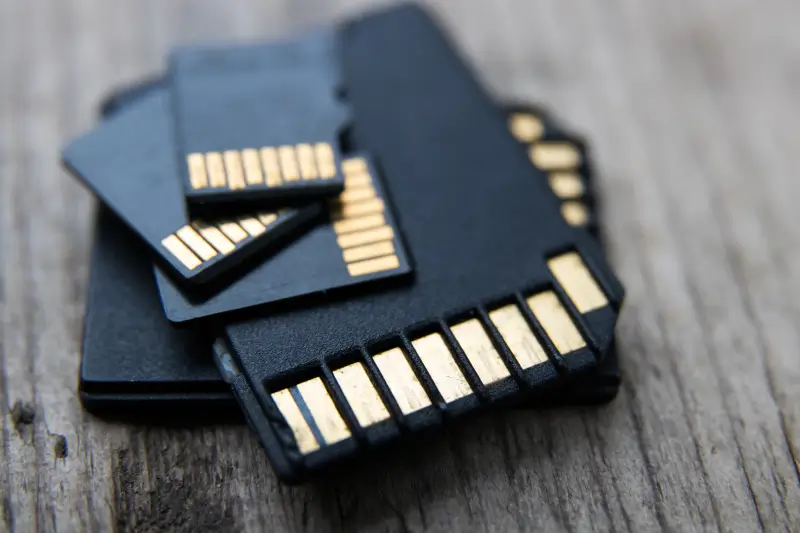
[[259, 122], [129, 162], [357, 243], [135, 362], [508, 300]]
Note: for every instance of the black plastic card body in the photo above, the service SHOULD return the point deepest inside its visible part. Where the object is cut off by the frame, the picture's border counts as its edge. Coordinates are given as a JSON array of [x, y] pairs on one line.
[[155, 369], [134, 362], [259, 122], [129, 162], [565, 159], [357, 244], [508, 300]]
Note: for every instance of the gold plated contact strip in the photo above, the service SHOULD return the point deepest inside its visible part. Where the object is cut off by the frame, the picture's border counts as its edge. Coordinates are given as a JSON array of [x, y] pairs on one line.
[[181, 252], [252, 226], [303, 435], [575, 213], [233, 231], [354, 165], [323, 411], [252, 167], [359, 238], [326, 161], [349, 225], [368, 207], [357, 195], [357, 181], [442, 367], [372, 266], [233, 169], [556, 322], [518, 336], [267, 218], [308, 166], [526, 127], [217, 239], [216, 169], [403, 383], [272, 167], [197, 171], [361, 394], [566, 184], [286, 156], [368, 251], [555, 155], [480, 352], [571, 273], [194, 241]]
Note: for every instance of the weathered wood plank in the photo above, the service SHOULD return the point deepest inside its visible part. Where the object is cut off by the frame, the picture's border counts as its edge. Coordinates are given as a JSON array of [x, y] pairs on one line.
[[691, 107]]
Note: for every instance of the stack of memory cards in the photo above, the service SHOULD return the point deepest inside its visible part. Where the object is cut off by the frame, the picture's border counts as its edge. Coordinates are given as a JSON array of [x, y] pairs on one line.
[[342, 236]]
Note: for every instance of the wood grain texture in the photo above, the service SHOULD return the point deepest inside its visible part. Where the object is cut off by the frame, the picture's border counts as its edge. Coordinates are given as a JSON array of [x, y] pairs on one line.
[[692, 109]]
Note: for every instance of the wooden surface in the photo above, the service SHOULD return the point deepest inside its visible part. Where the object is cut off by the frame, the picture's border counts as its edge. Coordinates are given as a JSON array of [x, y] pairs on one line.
[[692, 108]]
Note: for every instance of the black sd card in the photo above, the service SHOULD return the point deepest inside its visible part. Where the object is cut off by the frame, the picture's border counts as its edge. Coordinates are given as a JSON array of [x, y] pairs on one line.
[[259, 122], [133, 359], [358, 243], [563, 157], [507, 298], [129, 162]]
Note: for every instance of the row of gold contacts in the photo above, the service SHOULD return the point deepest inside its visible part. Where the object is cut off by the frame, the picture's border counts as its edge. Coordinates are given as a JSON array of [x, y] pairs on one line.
[[200, 243], [561, 160], [359, 221], [270, 166], [390, 378]]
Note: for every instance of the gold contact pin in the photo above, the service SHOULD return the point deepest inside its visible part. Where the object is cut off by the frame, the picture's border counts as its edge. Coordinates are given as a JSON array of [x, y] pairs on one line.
[[566, 184], [368, 251], [556, 322], [326, 161], [308, 167], [480, 352], [348, 225], [354, 165], [555, 156], [193, 240], [288, 162], [217, 239], [357, 195], [349, 240], [252, 226], [323, 411], [267, 218], [526, 127], [441, 366], [575, 213], [361, 394], [372, 266], [233, 231], [303, 435], [518, 336], [233, 169], [367, 207], [216, 169], [357, 181], [272, 167], [181, 252], [570, 271], [403, 383], [197, 171], [252, 167]]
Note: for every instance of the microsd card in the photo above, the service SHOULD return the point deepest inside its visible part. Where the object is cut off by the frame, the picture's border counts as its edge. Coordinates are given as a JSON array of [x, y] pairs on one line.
[[563, 157], [359, 242], [129, 162], [259, 122], [134, 361], [507, 301]]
